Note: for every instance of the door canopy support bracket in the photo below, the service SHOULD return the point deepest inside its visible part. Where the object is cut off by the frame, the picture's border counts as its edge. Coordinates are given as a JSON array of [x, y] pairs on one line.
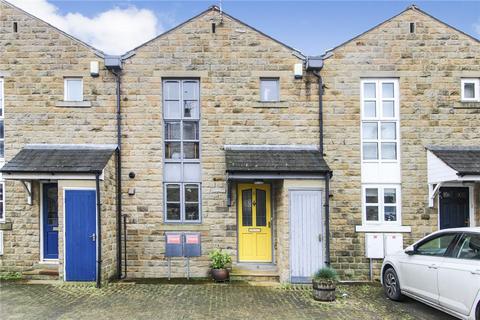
[[27, 185]]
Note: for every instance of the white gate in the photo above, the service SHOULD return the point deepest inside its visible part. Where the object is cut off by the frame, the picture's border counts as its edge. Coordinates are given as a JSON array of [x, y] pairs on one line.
[[306, 234]]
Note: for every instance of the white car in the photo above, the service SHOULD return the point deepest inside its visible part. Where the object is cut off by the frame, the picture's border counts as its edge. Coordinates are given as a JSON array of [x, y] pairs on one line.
[[441, 270]]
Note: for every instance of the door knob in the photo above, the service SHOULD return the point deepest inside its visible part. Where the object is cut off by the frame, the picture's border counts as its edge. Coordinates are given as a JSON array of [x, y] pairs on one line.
[[93, 237], [433, 266]]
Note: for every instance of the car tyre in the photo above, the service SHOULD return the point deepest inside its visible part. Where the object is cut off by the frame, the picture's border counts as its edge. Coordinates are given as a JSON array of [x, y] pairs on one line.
[[391, 285]]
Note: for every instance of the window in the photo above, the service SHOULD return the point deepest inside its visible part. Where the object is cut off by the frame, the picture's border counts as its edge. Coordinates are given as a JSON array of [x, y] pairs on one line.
[[2, 129], [381, 204], [469, 247], [269, 89], [470, 90], [182, 170], [73, 89], [380, 114], [437, 246]]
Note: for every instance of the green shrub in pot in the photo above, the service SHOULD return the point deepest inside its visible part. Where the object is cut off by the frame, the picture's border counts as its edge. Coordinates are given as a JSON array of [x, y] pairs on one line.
[[324, 284], [219, 262]]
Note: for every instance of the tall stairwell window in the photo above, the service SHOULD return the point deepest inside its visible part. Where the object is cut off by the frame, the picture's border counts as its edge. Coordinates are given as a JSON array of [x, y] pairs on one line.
[[182, 170], [2, 150]]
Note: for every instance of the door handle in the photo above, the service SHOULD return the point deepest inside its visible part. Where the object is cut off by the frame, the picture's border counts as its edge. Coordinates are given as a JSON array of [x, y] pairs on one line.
[[319, 237], [475, 272], [93, 237], [433, 266]]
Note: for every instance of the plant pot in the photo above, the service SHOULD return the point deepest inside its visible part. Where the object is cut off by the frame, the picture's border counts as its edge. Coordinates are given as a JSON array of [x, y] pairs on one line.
[[220, 275], [324, 290]]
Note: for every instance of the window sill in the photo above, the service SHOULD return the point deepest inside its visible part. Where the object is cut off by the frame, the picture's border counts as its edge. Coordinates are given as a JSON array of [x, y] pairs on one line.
[[183, 227], [383, 228], [468, 104], [5, 225], [271, 104], [73, 104]]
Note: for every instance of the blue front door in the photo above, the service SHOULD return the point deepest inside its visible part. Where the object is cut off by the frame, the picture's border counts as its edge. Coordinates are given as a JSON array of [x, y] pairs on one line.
[[50, 221], [80, 235]]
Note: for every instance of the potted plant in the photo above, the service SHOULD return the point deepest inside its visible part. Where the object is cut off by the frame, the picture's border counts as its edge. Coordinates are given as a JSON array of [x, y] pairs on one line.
[[219, 262], [324, 284]]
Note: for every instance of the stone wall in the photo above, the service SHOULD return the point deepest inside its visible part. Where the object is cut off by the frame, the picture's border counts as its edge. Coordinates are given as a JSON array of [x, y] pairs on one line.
[[33, 63], [229, 64], [429, 65]]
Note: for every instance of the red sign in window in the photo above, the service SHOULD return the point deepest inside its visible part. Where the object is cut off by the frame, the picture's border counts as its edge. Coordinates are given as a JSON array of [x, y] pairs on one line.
[[192, 239], [174, 239]]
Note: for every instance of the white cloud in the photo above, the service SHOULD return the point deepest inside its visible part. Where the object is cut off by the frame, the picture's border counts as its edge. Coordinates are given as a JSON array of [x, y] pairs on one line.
[[114, 31]]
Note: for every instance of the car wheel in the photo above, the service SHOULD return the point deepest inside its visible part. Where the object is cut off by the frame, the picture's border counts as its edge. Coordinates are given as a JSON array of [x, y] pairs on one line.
[[391, 285], [477, 313]]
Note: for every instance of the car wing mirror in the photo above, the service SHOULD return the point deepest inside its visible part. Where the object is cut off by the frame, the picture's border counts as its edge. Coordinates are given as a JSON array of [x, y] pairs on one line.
[[410, 250]]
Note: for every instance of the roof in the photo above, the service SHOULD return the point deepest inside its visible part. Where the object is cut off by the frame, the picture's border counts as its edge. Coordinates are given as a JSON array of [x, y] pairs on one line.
[[275, 160], [464, 160], [217, 9], [96, 51], [412, 7], [46, 158]]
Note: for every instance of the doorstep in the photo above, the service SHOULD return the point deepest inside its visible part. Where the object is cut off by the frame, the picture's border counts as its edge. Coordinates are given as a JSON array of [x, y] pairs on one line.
[[255, 272]]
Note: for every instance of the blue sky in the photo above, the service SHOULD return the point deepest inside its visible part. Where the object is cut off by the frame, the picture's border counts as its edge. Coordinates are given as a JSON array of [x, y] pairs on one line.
[[310, 26]]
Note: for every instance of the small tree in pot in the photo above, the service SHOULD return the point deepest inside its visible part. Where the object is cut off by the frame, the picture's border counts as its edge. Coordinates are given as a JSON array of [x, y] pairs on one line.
[[220, 260], [324, 284]]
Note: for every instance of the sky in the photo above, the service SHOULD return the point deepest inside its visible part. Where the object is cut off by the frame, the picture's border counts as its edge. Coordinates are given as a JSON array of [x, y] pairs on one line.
[[309, 26]]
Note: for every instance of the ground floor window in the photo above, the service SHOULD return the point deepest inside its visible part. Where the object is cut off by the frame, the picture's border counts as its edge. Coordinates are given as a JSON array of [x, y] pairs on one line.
[[381, 204], [182, 202]]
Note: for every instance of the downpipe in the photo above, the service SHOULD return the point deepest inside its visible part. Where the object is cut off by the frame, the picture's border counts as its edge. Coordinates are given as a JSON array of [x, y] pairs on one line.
[[99, 231]]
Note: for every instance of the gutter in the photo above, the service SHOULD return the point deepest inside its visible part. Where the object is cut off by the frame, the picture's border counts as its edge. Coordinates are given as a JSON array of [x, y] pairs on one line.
[[315, 64], [114, 65]]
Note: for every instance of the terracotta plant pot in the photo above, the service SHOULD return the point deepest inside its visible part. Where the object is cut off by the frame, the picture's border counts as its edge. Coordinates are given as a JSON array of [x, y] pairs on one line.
[[324, 290], [220, 275]]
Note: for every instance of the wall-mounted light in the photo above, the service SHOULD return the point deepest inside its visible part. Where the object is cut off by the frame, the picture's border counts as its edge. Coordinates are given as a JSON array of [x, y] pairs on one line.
[[258, 182], [298, 70], [94, 68]]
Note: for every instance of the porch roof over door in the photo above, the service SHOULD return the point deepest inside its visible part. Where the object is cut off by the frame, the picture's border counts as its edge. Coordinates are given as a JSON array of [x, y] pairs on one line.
[[274, 162], [54, 161], [453, 163]]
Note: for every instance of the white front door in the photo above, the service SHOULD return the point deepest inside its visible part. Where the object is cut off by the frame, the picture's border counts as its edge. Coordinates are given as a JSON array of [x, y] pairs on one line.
[[459, 276], [420, 270], [306, 234]]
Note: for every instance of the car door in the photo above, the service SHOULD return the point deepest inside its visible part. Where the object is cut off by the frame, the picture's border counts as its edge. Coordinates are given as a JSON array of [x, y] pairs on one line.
[[459, 275], [418, 271]]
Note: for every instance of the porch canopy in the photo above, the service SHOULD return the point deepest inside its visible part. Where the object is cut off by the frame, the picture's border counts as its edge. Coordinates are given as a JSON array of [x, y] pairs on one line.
[[55, 161], [247, 162], [451, 164]]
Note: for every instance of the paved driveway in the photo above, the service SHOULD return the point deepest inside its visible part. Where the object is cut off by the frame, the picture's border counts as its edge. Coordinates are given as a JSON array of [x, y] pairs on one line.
[[200, 301]]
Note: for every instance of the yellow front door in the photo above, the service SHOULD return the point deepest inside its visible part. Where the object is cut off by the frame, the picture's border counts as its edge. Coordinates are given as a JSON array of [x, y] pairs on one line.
[[254, 230]]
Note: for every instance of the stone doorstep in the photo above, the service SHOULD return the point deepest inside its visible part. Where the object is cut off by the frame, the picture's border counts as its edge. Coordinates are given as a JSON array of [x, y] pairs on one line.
[[262, 273]]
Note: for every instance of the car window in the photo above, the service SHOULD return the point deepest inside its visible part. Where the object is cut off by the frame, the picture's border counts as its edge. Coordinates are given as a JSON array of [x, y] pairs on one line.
[[436, 246], [469, 247]]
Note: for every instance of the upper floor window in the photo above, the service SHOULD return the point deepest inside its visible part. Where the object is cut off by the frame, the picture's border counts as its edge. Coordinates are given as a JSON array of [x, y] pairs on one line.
[[381, 204], [182, 171], [2, 201], [470, 90], [73, 89], [380, 114], [269, 89]]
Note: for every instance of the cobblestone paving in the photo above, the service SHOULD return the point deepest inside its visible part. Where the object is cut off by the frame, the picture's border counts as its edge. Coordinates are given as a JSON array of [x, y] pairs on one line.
[[199, 301]]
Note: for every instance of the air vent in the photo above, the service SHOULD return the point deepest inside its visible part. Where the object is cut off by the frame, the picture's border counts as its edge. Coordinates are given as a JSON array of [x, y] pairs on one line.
[[15, 27], [412, 27]]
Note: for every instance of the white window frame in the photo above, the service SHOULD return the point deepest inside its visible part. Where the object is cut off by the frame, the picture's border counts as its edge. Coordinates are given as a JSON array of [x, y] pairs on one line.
[[277, 81], [381, 214], [183, 202], [182, 161], [476, 91], [65, 88], [380, 118]]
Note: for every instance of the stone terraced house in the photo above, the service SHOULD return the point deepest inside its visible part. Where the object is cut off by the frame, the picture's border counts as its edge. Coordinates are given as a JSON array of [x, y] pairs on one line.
[[215, 135]]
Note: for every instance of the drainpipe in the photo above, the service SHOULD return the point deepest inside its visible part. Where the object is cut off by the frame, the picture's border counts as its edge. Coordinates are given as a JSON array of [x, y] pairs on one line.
[[315, 64], [114, 65], [99, 231], [328, 176]]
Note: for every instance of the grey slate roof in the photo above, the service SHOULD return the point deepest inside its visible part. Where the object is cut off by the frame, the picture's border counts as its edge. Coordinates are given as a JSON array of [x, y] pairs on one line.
[[305, 161], [60, 159], [464, 160]]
